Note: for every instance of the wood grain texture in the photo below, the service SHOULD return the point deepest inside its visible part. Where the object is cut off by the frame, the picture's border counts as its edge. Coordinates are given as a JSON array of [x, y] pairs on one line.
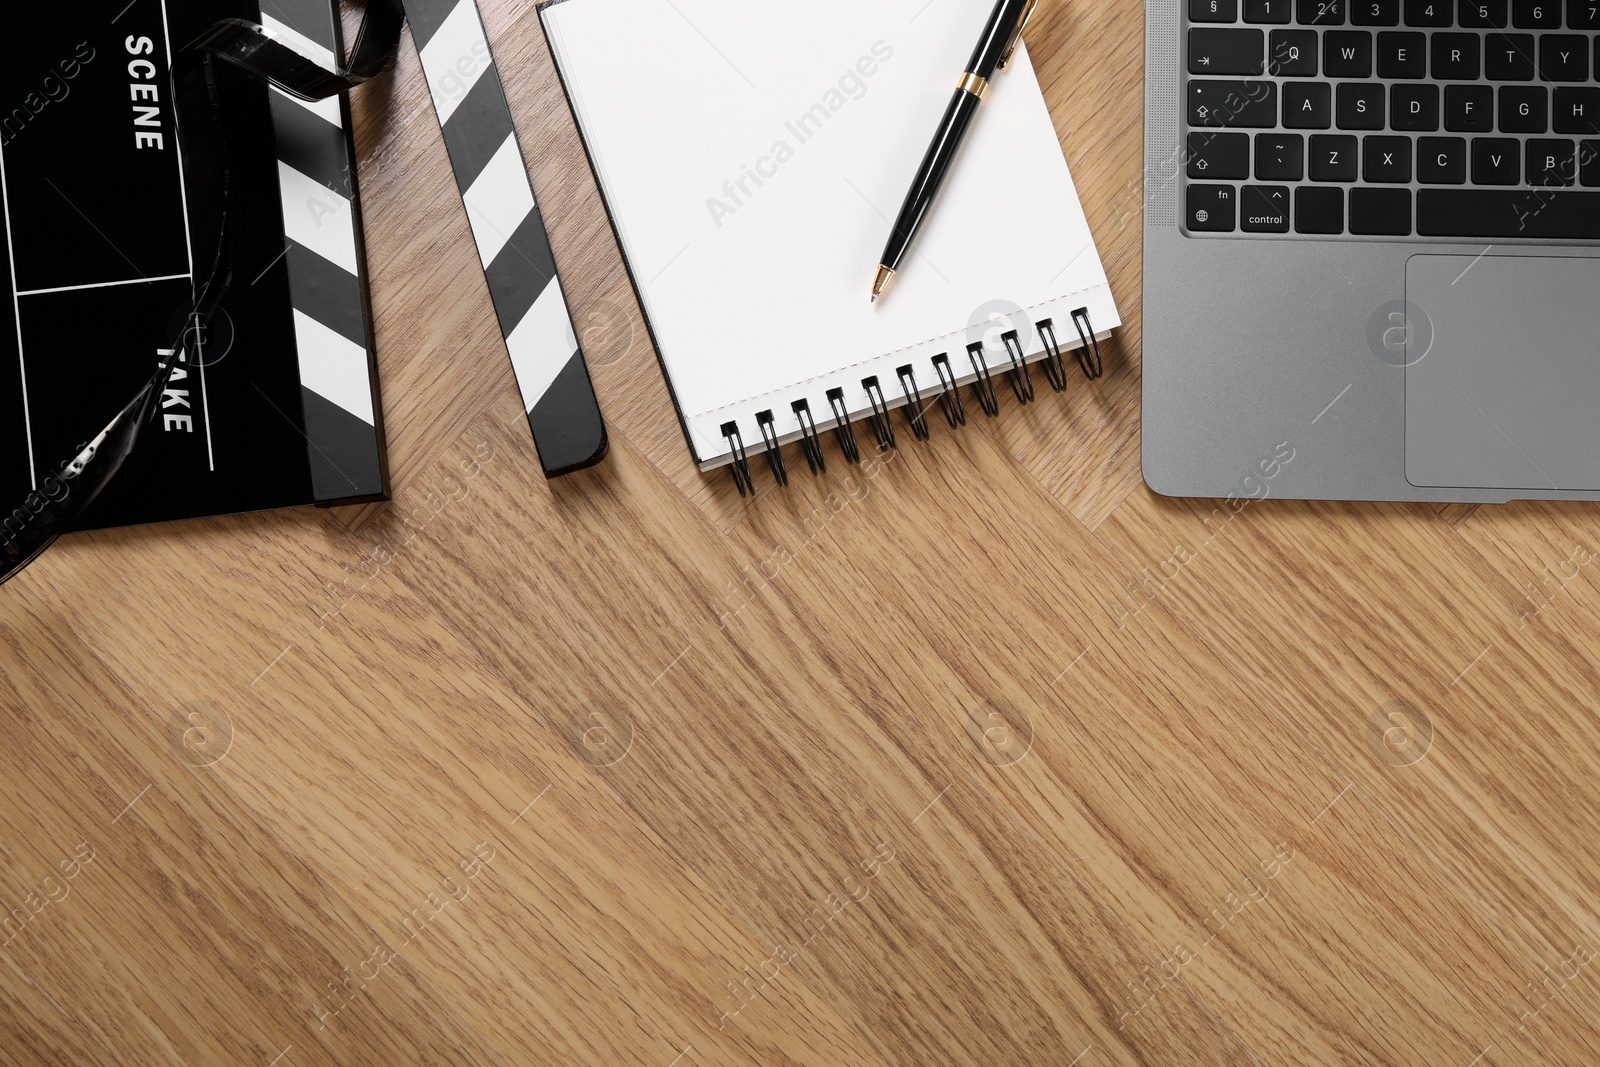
[[976, 753]]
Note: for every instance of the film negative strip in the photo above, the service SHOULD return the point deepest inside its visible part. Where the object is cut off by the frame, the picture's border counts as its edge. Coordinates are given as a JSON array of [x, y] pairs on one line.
[[470, 102]]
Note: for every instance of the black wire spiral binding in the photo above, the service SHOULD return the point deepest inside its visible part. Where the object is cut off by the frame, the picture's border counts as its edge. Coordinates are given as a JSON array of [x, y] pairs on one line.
[[769, 437], [808, 437], [1089, 355], [949, 395], [915, 413], [741, 462], [843, 431], [1021, 379], [1055, 367], [880, 413], [984, 384]]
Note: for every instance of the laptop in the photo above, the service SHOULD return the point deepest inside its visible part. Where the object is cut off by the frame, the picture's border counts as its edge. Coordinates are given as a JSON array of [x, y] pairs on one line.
[[1372, 249]]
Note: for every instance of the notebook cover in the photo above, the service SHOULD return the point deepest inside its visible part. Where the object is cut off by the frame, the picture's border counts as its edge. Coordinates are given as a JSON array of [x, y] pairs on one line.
[[281, 408]]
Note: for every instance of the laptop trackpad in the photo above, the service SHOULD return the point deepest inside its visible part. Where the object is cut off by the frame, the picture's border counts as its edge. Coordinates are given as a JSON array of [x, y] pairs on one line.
[[1503, 392]]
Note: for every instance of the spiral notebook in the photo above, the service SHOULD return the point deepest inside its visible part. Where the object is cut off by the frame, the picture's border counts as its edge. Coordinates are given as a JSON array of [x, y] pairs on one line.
[[752, 156]]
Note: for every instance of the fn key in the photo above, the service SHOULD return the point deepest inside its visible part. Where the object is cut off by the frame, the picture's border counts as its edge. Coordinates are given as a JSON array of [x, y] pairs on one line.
[[1211, 208]]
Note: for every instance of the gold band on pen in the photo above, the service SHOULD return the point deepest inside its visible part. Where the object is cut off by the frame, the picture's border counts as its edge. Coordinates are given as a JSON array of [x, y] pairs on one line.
[[973, 84]]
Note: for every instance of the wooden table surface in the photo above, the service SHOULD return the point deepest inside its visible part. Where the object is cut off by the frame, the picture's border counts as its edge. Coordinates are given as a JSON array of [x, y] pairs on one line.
[[978, 753]]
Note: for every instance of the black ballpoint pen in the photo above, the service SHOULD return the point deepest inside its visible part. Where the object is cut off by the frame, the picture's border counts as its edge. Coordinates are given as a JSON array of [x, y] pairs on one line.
[[999, 41]]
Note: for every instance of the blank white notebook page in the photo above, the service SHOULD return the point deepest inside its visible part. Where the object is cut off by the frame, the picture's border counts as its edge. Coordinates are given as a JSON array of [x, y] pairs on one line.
[[753, 157]]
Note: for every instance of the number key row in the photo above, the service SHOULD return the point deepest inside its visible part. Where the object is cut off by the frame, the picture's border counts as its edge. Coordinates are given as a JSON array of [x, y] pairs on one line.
[[1470, 14]]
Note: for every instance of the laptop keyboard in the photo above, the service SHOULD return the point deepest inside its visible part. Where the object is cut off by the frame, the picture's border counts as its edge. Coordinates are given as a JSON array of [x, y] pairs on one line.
[[1393, 118]]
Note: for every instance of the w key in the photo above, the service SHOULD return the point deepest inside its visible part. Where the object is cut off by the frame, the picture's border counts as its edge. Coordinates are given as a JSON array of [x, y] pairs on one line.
[[1227, 51]]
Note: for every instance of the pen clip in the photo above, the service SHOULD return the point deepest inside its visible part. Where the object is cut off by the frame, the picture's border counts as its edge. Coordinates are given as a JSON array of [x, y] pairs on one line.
[[1016, 35]]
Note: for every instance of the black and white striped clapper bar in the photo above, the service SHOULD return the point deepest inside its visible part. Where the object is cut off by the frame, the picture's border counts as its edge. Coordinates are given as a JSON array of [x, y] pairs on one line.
[[512, 244]]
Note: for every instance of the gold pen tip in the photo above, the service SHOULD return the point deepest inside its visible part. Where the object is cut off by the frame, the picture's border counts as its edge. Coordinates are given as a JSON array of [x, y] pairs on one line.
[[881, 282]]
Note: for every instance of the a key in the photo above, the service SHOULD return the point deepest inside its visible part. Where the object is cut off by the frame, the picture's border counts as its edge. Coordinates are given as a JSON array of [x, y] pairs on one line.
[[1334, 158], [1347, 54], [1429, 13], [1307, 105], [1402, 55], [1563, 58], [1376, 12], [1414, 108], [1576, 111], [1267, 11], [1318, 210], [1536, 14], [1321, 12], [1552, 162], [1380, 212], [1589, 162], [1508, 57], [1227, 51], [1469, 108], [1264, 209], [1292, 53], [1583, 14], [1213, 10], [1537, 213], [1233, 103], [1456, 56], [1219, 155], [1496, 161], [1524, 109], [1360, 106], [1482, 14], [1211, 208], [1442, 160], [1280, 157], [1387, 160]]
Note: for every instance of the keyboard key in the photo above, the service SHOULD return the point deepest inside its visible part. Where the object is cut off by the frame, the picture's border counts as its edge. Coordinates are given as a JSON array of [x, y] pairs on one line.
[[1267, 11], [1227, 51], [1307, 105], [1211, 208], [1429, 13], [1469, 108], [1414, 108], [1402, 55], [1456, 56], [1589, 162], [1264, 209], [1320, 12], [1496, 161], [1552, 162], [1376, 12], [1508, 57], [1383, 212], [1219, 155], [1388, 160], [1483, 14], [1280, 157], [1576, 111], [1524, 109], [1583, 14], [1563, 58], [1334, 158], [1360, 106], [1318, 210], [1213, 10], [1222, 103], [1536, 14], [1442, 160], [1508, 213], [1347, 54], [1292, 53]]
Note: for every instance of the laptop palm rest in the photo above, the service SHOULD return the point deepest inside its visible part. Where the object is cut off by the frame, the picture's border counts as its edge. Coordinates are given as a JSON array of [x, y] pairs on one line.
[[1503, 372]]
